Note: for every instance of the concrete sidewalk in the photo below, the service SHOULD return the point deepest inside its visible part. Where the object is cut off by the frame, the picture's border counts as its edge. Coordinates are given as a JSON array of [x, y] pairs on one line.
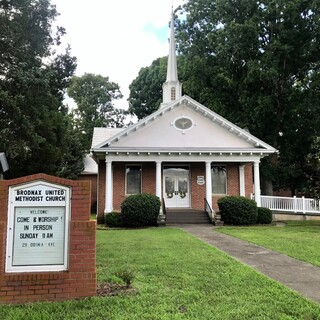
[[297, 275]]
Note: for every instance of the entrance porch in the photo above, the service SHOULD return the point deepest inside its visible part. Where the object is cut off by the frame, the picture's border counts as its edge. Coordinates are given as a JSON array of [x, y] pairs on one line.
[[180, 185]]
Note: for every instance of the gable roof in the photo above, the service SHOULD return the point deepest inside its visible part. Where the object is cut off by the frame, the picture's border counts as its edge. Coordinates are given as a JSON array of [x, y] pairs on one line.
[[90, 166], [146, 137], [101, 134]]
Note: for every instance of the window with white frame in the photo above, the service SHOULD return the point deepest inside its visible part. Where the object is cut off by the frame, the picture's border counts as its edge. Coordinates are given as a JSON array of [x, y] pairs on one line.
[[219, 179], [133, 179]]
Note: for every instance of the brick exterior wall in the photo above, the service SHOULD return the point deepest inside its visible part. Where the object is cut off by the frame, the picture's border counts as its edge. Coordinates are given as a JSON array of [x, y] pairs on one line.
[[119, 180], [80, 278], [149, 177], [93, 180], [233, 185], [248, 182], [197, 192], [101, 190], [148, 183]]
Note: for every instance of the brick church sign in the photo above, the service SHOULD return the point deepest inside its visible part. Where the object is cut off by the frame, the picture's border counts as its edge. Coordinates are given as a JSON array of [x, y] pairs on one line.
[[38, 227], [47, 241]]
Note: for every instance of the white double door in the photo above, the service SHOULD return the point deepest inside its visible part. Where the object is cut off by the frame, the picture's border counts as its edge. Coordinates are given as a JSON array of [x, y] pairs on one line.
[[176, 190]]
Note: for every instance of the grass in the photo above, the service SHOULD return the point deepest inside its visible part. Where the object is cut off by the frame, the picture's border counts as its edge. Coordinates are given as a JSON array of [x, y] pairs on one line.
[[177, 277], [298, 239]]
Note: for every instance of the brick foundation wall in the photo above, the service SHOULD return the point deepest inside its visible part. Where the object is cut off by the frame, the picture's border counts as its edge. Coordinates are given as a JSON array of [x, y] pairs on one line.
[[80, 278]]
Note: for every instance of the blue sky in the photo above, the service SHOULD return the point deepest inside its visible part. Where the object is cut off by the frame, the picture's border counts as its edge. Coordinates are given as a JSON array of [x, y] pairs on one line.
[[116, 38], [160, 32]]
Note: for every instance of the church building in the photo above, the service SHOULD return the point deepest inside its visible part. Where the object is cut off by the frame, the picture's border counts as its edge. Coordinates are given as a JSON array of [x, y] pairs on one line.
[[184, 153]]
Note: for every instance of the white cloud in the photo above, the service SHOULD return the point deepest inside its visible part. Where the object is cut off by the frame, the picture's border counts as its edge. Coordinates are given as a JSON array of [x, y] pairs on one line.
[[110, 37]]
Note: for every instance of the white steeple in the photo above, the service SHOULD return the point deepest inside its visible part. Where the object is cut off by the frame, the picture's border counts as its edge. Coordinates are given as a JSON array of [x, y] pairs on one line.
[[172, 89]]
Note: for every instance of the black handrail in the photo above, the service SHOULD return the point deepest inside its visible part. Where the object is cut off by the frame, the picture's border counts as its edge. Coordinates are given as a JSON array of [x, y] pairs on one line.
[[164, 211], [208, 209]]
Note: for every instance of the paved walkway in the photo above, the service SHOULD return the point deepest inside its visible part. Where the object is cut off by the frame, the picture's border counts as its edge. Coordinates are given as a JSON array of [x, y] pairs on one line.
[[297, 275]]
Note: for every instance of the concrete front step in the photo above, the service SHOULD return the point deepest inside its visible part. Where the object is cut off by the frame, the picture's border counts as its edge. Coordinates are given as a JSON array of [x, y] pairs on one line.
[[186, 216]]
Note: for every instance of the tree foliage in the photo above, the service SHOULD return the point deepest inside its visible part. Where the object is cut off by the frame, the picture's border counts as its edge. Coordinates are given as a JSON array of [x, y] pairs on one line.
[[146, 89], [94, 96], [33, 78], [312, 171], [71, 163], [257, 63]]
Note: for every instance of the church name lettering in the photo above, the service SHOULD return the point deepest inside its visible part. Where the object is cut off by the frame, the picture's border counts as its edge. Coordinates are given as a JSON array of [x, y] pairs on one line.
[[40, 195]]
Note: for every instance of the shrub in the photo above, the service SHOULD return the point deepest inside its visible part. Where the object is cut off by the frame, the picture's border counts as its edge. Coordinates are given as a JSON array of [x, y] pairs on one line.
[[238, 210], [126, 276], [140, 210], [264, 215], [113, 219]]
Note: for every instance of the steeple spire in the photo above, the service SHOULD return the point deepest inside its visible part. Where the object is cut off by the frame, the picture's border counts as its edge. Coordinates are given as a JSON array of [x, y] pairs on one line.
[[171, 88], [172, 73]]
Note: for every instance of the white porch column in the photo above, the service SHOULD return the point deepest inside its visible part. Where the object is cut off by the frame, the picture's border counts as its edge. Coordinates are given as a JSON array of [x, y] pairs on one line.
[[208, 183], [108, 193], [161, 218], [242, 180], [158, 180], [256, 174]]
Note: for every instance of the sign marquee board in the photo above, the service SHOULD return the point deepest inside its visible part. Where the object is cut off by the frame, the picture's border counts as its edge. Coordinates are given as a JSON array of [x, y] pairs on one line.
[[38, 227]]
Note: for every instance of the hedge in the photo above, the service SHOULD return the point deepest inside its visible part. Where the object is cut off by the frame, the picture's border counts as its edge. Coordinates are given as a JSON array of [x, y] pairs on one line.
[[264, 215], [238, 210], [140, 210]]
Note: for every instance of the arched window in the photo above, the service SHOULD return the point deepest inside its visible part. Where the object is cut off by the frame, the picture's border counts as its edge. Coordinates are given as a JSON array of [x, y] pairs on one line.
[[173, 93]]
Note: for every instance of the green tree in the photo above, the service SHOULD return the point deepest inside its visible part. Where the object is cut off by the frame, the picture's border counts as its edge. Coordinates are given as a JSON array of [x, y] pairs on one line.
[[94, 96], [71, 164], [312, 171], [257, 63], [146, 89], [33, 80]]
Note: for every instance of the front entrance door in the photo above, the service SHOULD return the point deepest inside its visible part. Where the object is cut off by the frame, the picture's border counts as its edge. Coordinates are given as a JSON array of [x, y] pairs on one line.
[[176, 188]]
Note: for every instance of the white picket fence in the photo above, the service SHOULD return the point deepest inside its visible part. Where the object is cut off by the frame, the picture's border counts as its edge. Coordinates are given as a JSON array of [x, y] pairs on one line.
[[294, 204]]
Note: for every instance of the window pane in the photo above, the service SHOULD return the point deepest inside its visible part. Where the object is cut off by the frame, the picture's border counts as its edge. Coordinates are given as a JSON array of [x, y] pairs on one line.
[[219, 179], [182, 185], [133, 179], [173, 94], [169, 185]]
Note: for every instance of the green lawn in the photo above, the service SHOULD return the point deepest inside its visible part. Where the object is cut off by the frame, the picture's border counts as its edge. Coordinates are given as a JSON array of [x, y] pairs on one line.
[[298, 239], [177, 277]]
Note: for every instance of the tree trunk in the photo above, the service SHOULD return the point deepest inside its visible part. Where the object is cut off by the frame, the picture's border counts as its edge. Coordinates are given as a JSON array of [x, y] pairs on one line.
[[267, 187]]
